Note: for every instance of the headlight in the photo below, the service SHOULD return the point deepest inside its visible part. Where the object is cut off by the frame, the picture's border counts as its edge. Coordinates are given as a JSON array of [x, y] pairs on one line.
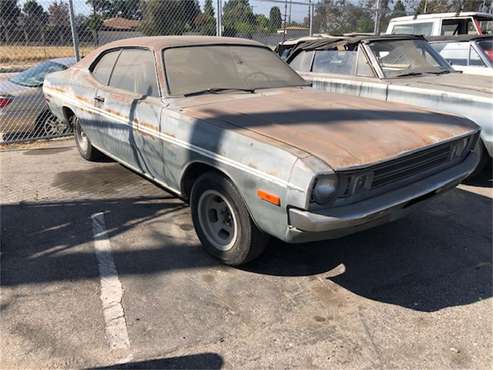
[[457, 149], [324, 189]]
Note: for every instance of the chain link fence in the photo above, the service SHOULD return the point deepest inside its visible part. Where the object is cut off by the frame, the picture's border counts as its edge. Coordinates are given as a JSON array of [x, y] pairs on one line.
[[42, 36]]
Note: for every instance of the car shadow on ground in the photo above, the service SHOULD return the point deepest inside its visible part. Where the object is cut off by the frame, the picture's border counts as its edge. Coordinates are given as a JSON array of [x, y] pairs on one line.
[[438, 257], [196, 361]]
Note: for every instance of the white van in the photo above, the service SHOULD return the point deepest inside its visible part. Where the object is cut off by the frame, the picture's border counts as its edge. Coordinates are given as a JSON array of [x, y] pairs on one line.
[[443, 24]]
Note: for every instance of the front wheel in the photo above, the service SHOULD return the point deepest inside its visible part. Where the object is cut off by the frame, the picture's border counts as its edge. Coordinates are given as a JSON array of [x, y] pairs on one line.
[[50, 126], [86, 150], [222, 221]]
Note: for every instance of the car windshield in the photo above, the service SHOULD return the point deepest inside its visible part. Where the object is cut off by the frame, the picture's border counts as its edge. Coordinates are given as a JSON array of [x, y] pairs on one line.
[[407, 57], [215, 68], [34, 76]]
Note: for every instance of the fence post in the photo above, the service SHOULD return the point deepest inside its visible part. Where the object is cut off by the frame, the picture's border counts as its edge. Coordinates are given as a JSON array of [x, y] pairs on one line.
[[75, 36], [310, 16], [219, 18], [376, 29]]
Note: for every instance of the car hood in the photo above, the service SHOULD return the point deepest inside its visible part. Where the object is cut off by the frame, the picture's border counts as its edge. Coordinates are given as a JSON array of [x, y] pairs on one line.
[[452, 82], [341, 130]]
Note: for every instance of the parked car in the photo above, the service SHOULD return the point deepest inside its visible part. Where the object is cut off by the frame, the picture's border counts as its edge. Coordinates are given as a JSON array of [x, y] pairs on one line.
[[398, 69], [23, 110], [229, 127], [469, 54], [443, 24]]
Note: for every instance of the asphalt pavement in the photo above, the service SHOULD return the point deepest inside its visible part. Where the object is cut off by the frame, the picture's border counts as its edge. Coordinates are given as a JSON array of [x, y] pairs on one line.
[[101, 268]]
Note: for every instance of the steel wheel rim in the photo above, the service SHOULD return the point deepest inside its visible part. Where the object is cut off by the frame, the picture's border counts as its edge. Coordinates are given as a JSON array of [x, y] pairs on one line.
[[217, 220], [52, 126], [81, 136]]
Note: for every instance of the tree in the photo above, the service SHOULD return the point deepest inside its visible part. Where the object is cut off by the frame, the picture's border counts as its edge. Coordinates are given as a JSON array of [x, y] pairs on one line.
[[169, 17], [34, 19], [209, 8], [238, 18], [9, 13], [129, 9], [399, 10], [205, 22], [59, 19], [275, 18]]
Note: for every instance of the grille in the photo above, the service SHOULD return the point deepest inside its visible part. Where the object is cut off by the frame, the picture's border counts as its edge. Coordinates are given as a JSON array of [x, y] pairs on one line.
[[411, 165], [357, 185]]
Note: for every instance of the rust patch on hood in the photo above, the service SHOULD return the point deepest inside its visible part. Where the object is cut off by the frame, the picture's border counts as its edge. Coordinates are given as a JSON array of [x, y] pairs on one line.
[[343, 131]]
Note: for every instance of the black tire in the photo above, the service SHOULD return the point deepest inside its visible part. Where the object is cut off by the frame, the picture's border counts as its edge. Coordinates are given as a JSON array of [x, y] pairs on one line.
[[247, 243], [86, 150]]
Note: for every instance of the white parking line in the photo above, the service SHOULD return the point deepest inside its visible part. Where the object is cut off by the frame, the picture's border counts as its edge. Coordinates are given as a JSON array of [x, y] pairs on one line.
[[111, 288]]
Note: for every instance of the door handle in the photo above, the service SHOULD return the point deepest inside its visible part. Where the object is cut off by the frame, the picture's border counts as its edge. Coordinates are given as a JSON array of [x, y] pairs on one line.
[[99, 99]]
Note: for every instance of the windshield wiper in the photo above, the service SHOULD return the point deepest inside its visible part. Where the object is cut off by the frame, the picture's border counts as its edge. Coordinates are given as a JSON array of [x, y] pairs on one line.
[[440, 72], [410, 74], [215, 90]]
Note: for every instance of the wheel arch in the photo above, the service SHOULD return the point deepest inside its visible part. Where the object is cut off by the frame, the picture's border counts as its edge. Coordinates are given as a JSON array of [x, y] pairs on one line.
[[196, 169]]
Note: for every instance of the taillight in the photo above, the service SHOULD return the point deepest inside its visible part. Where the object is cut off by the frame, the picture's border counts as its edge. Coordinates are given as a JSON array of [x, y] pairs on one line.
[[489, 54], [5, 100]]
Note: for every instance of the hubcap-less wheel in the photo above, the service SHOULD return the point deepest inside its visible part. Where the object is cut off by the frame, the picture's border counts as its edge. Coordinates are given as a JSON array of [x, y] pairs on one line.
[[217, 219], [52, 126], [81, 136]]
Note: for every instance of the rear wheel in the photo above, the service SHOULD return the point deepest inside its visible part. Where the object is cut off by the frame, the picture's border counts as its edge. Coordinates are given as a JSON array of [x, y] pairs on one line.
[[222, 221], [86, 150]]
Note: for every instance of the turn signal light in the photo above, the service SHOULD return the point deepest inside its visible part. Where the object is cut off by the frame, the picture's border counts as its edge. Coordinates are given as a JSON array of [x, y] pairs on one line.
[[268, 197]]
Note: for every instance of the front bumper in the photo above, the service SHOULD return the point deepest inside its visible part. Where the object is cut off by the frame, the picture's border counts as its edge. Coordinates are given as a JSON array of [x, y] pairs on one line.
[[340, 221]]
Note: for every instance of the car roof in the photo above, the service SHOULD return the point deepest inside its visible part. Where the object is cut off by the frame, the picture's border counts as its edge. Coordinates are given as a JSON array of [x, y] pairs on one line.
[[441, 15], [158, 43], [330, 43], [459, 38]]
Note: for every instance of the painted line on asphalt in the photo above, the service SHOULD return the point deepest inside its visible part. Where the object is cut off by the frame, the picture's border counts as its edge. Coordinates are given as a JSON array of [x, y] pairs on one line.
[[111, 288]]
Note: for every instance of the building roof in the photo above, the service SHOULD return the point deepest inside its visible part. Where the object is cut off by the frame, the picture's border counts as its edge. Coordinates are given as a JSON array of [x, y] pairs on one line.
[[119, 23]]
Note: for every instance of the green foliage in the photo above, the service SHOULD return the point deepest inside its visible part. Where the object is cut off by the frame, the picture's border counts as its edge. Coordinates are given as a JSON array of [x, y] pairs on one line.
[[35, 19], [399, 10], [209, 8], [238, 18], [169, 17], [275, 18], [9, 12]]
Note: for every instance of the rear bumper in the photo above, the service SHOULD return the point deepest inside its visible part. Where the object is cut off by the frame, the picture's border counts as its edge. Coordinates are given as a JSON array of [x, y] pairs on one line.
[[337, 222]]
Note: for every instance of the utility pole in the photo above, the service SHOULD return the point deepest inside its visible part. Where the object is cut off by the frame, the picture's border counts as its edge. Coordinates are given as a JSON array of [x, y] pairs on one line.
[[310, 16], [285, 19]]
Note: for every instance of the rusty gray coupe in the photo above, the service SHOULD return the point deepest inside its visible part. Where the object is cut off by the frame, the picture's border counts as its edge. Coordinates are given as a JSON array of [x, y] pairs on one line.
[[233, 130]]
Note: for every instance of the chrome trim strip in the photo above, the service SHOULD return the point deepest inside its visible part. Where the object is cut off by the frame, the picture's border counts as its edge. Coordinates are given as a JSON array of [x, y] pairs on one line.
[[173, 140]]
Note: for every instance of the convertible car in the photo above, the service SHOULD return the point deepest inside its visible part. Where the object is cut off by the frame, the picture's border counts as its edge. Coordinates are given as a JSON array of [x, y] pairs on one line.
[[230, 128], [398, 69]]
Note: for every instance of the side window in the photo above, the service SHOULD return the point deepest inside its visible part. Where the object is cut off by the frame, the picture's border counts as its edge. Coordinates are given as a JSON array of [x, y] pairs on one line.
[[104, 66], [422, 28], [456, 53], [475, 59], [335, 61], [363, 67], [135, 72], [302, 62]]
